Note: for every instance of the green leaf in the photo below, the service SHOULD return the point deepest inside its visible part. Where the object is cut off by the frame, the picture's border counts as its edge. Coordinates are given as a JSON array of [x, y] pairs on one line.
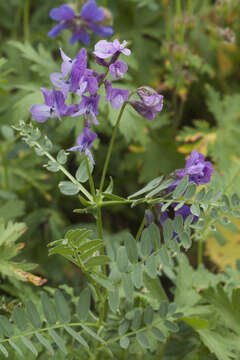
[[124, 342], [33, 315], [16, 348], [68, 188], [167, 230], [164, 185], [163, 309], [164, 257], [137, 319], [171, 326], [191, 189], [137, 276], [29, 345], [151, 185], [123, 327], [76, 336], [154, 233], [148, 315], [45, 342], [82, 172], [131, 248], [196, 323], [172, 308], [58, 340], [200, 195], [181, 188], [97, 261], [151, 266], [122, 259], [62, 306], [106, 283], [19, 318], [62, 157], [3, 350], [142, 340], [178, 224], [146, 244], [114, 299], [186, 240], [83, 306], [157, 333], [93, 334], [127, 287], [195, 210], [217, 344], [48, 309]]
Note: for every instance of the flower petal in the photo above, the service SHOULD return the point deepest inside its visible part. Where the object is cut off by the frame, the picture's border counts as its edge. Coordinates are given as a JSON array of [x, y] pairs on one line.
[[62, 13], [57, 29], [101, 30], [81, 35], [67, 64], [40, 112], [90, 11]]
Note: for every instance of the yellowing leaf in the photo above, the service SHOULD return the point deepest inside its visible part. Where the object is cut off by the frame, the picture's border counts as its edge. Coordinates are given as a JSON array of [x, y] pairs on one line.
[[228, 253], [27, 276]]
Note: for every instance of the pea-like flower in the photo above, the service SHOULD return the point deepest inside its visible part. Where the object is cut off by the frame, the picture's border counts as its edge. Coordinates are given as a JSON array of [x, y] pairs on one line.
[[151, 103], [115, 96], [199, 170], [118, 69], [54, 106], [88, 107], [90, 18], [105, 49], [84, 142]]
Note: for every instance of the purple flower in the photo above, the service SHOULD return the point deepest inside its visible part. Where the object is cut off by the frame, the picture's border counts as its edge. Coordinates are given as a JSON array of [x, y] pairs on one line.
[[118, 69], [84, 142], [88, 83], [199, 170], [105, 49], [89, 107], [115, 96], [54, 106], [151, 103], [89, 18]]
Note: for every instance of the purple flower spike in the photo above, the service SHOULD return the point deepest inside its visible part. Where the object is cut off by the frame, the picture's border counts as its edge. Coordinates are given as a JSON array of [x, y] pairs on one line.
[[84, 142], [151, 103], [115, 96], [104, 49], [118, 69], [54, 106], [199, 170], [88, 19], [89, 107]]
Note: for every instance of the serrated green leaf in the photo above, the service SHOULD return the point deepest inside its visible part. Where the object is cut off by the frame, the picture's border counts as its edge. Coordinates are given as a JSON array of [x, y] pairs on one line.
[[83, 306]]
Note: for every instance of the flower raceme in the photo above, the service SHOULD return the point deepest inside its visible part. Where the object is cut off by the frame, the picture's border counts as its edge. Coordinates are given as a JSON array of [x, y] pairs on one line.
[[91, 18], [76, 78]]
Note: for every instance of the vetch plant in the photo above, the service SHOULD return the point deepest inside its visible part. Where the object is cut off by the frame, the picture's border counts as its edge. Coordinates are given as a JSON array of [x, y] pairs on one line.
[[124, 309]]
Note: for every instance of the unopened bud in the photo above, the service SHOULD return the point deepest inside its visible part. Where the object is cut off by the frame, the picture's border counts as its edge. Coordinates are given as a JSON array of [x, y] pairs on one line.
[[108, 18]]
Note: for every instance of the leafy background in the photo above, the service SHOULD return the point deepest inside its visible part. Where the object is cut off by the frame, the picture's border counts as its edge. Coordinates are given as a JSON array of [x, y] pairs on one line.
[[187, 57]]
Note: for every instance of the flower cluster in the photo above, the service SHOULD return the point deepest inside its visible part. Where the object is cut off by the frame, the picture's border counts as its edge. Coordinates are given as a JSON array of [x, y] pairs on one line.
[[200, 173], [91, 18], [76, 78]]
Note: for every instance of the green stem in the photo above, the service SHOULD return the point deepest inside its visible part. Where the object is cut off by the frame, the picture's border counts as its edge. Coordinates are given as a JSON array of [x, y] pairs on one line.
[[110, 148], [26, 20], [141, 227], [90, 178], [62, 168]]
